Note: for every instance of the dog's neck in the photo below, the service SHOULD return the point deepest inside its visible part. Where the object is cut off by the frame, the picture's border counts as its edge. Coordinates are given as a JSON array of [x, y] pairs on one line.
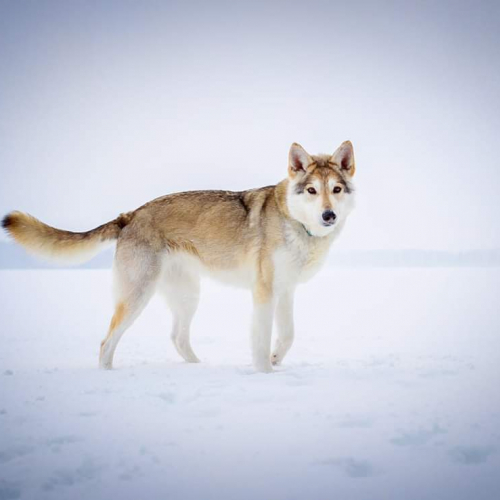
[[280, 193], [308, 232]]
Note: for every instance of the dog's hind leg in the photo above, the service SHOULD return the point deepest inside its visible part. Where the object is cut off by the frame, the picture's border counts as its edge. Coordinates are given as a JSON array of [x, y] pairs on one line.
[[136, 271], [181, 288], [284, 322]]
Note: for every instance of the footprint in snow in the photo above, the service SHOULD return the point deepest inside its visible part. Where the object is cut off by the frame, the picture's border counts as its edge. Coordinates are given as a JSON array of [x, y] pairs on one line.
[[417, 437], [352, 467], [86, 471], [354, 422], [168, 397], [9, 491], [470, 455], [130, 473], [15, 452], [57, 442]]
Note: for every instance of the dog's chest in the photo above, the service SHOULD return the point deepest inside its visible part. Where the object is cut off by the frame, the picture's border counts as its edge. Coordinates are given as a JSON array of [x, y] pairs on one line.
[[300, 258]]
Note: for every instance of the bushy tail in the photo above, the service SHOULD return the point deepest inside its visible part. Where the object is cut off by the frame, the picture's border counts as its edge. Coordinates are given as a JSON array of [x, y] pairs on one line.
[[57, 245]]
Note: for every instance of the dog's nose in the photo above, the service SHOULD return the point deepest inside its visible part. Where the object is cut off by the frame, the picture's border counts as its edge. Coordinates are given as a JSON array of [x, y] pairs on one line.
[[329, 216]]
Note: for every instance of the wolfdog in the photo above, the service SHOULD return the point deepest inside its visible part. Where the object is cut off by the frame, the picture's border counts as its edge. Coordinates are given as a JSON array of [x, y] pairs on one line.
[[268, 239]]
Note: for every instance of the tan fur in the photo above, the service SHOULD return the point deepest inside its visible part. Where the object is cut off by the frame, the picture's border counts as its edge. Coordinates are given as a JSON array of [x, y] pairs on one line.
[[51, 243], [251, 232], [118, 316], [116, 320], [222, 228]]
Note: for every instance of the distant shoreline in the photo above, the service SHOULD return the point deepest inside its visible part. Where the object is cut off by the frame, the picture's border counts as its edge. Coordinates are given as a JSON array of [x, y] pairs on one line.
[[14, 257]]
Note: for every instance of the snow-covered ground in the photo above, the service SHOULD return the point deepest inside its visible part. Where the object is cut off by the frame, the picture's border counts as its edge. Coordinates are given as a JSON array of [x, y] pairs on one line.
[[391, 391]]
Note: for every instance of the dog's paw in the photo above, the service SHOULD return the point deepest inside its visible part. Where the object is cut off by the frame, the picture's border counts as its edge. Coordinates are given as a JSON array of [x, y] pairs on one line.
[[105, 365], [275, 359]]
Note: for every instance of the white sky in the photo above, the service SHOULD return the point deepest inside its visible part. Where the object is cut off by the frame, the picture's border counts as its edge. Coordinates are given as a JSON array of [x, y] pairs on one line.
[[106, 105]]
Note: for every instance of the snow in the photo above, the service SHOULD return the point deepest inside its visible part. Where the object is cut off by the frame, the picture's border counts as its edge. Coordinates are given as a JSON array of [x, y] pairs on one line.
[[390, 391]]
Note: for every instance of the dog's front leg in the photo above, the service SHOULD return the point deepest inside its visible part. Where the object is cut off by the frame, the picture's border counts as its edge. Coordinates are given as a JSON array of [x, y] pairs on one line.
[[284, 322], [262, 326]]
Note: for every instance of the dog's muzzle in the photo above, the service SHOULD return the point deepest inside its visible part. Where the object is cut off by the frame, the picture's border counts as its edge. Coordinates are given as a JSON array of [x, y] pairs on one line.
[[328, 218]]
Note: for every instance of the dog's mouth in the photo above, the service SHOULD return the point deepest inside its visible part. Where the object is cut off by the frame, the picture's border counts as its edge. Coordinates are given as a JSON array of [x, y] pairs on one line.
[[328, 224]]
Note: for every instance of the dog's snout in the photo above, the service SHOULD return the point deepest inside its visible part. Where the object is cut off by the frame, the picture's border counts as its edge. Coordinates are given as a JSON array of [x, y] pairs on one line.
[[329, 216]]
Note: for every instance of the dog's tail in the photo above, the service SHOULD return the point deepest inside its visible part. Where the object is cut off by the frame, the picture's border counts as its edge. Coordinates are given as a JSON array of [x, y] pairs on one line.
[[57, 245]]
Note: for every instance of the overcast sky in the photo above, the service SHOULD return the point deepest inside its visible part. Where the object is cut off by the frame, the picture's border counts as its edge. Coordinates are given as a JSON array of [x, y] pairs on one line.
[[105, 105]]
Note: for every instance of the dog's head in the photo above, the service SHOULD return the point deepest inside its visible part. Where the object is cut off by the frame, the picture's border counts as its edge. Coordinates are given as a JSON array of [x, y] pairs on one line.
[[320, 190]]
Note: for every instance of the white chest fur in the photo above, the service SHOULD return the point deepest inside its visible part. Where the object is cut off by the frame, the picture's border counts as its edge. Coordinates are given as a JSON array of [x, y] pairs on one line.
[[301, 257]]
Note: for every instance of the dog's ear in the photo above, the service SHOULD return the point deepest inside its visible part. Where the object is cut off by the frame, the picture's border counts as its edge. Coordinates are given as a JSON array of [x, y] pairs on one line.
[[344, 158], [298, 160]]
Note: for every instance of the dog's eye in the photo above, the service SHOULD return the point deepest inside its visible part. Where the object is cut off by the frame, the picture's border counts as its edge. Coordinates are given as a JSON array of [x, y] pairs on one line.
[[337, 189], [311, 191]]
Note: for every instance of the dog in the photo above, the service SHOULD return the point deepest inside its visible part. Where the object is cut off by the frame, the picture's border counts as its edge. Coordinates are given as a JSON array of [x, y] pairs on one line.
[[268, 239]]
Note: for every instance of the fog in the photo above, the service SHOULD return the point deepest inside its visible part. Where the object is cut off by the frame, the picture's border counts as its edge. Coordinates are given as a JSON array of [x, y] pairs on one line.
[[106, 105]]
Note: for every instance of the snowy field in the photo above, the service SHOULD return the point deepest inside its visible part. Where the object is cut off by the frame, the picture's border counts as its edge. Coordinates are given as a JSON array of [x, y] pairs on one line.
[[391, 391]]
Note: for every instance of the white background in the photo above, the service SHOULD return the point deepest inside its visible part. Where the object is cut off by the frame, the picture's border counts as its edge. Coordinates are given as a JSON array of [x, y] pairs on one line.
[[105, 105]]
